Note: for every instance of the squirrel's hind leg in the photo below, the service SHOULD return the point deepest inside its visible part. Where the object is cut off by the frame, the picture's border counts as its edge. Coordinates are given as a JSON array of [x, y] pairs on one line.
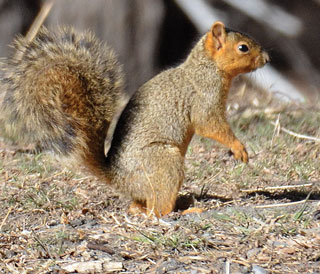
[[159, 181]]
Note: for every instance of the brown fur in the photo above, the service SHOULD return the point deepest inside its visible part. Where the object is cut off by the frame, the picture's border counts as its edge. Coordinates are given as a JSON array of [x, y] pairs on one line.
[[75, 104], [147, 155], [62, 93]]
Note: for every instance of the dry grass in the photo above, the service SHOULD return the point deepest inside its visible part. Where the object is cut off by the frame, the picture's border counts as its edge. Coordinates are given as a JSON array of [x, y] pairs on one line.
[[55, 221]]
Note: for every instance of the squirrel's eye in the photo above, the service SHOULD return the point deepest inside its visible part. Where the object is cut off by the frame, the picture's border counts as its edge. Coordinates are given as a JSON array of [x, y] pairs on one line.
[[243, 48]]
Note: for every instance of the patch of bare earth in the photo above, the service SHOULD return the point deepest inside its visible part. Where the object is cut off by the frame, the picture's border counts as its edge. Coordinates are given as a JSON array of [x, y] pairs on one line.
[[263, 217]]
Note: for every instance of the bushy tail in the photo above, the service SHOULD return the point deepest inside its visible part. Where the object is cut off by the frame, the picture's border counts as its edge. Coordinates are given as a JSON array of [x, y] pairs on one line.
[[61, 91]]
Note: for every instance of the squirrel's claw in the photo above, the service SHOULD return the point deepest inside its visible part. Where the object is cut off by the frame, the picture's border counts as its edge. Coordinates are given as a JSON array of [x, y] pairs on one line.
[[239, 152]]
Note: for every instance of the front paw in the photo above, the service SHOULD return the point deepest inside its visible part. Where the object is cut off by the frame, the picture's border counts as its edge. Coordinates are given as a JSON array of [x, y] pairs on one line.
[[239, 152]]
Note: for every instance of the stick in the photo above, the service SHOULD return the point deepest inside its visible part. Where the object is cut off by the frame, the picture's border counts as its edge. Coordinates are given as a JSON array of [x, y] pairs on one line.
[[284, 204], [297, 135], [5, 218], [38, 21], [41, 244], [276, 188], [100, 247], [36, 24], [276, 130]]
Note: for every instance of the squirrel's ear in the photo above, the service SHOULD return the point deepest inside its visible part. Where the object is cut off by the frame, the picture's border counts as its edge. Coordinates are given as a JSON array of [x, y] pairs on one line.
[[218, 33]]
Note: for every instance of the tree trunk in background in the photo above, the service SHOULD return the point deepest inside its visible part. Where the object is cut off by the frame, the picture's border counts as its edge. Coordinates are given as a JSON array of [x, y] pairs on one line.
[[150, 35], [130, 27]]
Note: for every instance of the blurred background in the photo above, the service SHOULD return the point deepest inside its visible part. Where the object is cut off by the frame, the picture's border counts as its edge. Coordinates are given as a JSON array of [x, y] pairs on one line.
[[151, 35]]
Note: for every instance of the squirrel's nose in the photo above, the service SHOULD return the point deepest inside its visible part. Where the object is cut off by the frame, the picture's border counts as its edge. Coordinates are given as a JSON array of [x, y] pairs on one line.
[[265, 57]]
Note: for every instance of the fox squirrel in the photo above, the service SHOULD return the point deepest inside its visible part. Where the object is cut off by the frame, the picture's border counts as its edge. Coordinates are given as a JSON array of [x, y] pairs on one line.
[[64, 89]]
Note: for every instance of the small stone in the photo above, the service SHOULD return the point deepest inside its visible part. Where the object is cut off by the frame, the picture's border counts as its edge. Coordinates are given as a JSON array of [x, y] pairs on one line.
[[258, 270]]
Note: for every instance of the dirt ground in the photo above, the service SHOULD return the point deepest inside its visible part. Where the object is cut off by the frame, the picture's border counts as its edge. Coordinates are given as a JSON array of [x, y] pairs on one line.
[[263, 217]]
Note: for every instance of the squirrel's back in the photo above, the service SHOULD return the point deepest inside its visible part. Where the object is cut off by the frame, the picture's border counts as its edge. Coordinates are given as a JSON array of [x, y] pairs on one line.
[[61, 92]]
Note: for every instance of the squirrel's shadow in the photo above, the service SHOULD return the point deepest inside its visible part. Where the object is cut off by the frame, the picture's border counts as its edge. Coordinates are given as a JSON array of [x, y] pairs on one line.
[[185, 201], [292, 195]]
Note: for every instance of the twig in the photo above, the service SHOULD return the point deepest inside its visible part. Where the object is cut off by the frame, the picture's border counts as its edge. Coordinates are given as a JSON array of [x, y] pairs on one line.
[[36, 24], [276, 188], [41, 244], [100, 247], [151, 261], [52, 176], [241, 262], [300, 212], [227, 267], [297, 135], [276, 130], [5, 218], [11, 269], [38, 21], [115, 219], [284, 204]]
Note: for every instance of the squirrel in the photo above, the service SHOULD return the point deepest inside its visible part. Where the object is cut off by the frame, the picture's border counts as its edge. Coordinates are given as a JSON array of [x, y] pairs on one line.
[[64, 89]]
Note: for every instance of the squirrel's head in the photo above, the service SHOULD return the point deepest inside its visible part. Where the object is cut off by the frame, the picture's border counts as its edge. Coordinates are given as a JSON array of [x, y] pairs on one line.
[[233, 52]]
